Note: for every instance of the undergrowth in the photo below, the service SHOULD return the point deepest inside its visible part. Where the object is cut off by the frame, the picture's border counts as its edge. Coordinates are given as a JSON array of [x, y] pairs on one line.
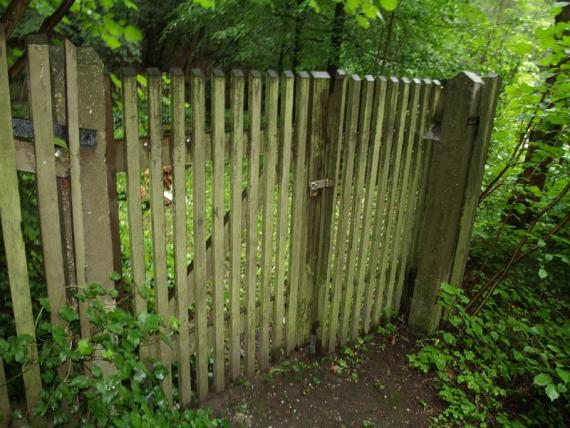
[[509, 365], [78, 392]]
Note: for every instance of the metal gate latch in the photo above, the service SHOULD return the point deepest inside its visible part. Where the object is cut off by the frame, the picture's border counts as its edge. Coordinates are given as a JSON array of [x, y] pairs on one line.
[[320, 184]]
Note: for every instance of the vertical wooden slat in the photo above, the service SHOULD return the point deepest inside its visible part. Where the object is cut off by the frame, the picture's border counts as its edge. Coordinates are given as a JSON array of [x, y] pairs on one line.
[[270, 165], [158, 219], [412, 202], [236, 151], [254, 110], [316, 221], [353, 101], [199, 196], [39, 85], [337, 109], [298, 207], [371, 179], [13, 241], [391, 205], [371, 313], [132, 150], [180, 233], [218, 189], [75, 165], [402, 207], [363, 147], [434, 115], [288, 80]]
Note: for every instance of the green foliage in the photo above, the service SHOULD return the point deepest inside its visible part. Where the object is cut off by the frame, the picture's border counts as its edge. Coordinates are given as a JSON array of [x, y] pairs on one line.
[[509, 365], [76, 390]]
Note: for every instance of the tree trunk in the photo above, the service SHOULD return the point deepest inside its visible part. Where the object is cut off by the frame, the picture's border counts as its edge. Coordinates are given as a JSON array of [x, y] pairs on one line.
[[337, 35]]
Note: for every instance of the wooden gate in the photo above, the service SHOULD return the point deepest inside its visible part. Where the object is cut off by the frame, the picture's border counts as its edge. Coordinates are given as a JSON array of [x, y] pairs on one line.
[[265, 212]]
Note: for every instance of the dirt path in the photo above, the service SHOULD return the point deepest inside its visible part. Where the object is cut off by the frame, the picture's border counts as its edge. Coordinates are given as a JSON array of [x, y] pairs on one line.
[[367, 385]]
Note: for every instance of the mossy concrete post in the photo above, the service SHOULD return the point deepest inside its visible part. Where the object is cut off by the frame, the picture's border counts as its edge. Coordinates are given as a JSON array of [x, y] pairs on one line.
[[96, 218], [445, 198]]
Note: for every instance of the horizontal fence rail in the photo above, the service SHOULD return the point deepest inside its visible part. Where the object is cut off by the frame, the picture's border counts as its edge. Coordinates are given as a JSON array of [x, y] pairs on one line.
[[264, 211]]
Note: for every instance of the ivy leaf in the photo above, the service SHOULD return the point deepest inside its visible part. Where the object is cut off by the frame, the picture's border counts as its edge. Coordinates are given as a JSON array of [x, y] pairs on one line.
[[542, 379], [449, 289], [552, 392], [68, 314], [542, 273], [84, 347], [81, 382]]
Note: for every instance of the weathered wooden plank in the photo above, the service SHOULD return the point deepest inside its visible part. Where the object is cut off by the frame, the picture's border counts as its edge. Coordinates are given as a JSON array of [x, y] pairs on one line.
[[254, 110], [270, 165], [433, 126], [199, 198], [413, 197], [26, 159], [13, 241], [371, 179], [110, 155], [75, 165], [296, 259], [157, 214], [337, 107], [353, 102], [445, 197], [136, 239], [375, 293], [402, 206], [309, 311], [392, 209], [39, 85], [486, 112], [288, 83], [218, 188], [237, 99], [362, 156], [180, 233]]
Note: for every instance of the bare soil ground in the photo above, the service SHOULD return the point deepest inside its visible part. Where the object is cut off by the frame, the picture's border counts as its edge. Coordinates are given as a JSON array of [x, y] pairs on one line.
[[368, 385]]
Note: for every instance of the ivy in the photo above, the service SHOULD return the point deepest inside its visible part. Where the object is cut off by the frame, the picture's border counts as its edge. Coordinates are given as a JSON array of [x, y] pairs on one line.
[[128, 395]]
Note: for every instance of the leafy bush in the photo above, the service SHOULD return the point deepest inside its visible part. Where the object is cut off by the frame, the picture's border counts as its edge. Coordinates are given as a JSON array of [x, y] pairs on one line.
[[508, 365], [76, 391]]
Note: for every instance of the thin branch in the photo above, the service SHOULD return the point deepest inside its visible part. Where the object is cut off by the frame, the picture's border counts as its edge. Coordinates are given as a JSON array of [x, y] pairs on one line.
[[12, 15], [517, 255], [46, 28]]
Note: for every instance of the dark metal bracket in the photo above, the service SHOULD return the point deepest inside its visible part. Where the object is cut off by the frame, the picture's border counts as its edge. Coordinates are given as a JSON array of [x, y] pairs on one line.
[[24, 129]]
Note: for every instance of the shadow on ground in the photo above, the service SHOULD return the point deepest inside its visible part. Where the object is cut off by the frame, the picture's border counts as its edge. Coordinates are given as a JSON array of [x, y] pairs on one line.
[[368, 384]]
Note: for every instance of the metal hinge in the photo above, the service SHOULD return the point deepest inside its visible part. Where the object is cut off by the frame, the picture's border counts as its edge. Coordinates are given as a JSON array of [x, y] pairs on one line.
[[320, 184]]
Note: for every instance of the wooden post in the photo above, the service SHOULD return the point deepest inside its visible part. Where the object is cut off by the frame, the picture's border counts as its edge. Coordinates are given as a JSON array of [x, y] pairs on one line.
[[475, 177], [445, 198]]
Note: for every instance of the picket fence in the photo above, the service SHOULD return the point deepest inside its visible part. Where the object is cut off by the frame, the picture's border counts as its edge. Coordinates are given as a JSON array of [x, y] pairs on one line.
[[320, 205]]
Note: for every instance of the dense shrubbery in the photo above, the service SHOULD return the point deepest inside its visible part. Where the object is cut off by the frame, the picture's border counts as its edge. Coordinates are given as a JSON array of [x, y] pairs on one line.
[[508, 365], [75, 388]]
